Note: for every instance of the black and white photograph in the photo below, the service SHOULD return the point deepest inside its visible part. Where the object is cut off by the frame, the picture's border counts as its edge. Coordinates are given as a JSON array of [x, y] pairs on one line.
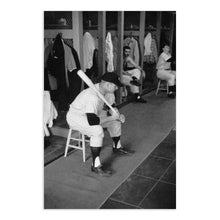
[[109, 110]]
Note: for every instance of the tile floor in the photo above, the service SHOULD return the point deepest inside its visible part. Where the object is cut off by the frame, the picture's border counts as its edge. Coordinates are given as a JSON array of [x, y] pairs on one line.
[[153, 184]]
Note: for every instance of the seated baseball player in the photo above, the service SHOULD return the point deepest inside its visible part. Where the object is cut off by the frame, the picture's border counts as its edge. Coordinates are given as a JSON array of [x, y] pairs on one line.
[[89, 115], [132, 74], [165, 72]]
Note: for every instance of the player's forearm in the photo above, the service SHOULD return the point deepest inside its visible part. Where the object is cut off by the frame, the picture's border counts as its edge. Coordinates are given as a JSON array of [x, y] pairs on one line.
[[105, 119]]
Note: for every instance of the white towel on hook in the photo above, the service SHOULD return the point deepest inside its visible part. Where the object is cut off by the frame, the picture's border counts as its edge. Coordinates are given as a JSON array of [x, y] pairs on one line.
[[88, 50], [147, 44], [109, 52]]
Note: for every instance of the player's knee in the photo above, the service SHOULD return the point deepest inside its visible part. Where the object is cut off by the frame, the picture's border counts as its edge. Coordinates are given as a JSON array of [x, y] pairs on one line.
[[96, 141], [97, 135], [115, 129], [98, 131], [137, 73]]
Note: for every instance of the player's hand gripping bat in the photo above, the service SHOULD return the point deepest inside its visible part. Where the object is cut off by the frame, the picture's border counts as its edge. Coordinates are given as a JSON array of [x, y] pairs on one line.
[[88, 81]]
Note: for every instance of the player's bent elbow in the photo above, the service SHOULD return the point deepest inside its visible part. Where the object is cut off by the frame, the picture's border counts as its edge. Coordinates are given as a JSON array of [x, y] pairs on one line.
[[93, 119]]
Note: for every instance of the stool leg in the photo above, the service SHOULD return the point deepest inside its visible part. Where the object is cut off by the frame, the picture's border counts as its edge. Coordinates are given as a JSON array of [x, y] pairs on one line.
[[67, 142], [79, 137], [83, 148], [158, 86]]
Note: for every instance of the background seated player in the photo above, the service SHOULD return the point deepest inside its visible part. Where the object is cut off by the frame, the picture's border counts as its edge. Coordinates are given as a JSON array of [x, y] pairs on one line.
[[164, 71], [132, 74]]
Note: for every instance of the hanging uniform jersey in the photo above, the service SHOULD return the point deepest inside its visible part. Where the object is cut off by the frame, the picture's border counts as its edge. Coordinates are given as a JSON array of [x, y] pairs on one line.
[[147, 44], [109, 52], [88, 50], [150, 52]]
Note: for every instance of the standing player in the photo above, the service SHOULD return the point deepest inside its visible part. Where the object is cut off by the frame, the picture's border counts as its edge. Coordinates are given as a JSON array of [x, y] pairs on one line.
[[88, 115]]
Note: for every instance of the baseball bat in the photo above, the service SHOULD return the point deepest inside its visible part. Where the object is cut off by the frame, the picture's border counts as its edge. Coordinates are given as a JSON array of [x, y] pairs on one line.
[[88, 81]]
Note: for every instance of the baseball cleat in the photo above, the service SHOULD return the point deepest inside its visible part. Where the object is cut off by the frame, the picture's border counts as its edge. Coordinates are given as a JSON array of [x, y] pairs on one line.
[[121, 151], [100, 171], [140, 100], [171, 95]]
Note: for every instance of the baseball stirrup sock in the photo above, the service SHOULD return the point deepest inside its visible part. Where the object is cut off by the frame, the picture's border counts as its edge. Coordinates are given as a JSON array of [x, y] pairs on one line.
[[137, 96], [95, 156], [116, 141], [171, 89]]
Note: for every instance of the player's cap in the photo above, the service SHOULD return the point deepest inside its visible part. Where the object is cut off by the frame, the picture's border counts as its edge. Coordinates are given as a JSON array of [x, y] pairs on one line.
[[112, 77]]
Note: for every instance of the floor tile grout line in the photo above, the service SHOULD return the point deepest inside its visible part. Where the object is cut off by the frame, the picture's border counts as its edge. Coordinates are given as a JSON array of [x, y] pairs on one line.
[[131, 172], [167, 169], [153, 155], [148, 193], [125, 203], [136, 168], [154, 185], [162, 181], [52, 152], [58, 157], [146, 177]]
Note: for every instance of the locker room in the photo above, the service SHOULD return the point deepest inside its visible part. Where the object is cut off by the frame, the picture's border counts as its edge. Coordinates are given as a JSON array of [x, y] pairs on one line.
[[96, 42]]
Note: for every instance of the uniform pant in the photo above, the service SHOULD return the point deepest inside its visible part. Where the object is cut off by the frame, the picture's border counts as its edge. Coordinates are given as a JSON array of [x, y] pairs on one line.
[[125, 79], [80, 123], [168, 75]]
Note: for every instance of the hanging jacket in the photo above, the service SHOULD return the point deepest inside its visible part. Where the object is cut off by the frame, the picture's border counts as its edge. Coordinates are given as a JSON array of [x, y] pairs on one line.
[[74, 80], [109, 52], [56, 66], [47, 51], [75, 56], [88, 50], [150, 56], [115, 51], [70, 64], [133, 44]]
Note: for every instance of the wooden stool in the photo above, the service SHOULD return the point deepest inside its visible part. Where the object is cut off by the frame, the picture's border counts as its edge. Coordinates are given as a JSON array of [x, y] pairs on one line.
[[81, 143], [162, 85]]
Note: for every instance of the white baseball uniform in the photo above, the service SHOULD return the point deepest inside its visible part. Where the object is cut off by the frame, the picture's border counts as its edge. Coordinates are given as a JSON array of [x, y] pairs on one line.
[[89, 102], [163, 69], [132, 72]]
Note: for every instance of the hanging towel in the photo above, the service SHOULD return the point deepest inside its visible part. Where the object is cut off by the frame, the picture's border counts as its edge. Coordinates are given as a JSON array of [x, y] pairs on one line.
[[147, 44], [109, 52], [88, 50], [50, 113]]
